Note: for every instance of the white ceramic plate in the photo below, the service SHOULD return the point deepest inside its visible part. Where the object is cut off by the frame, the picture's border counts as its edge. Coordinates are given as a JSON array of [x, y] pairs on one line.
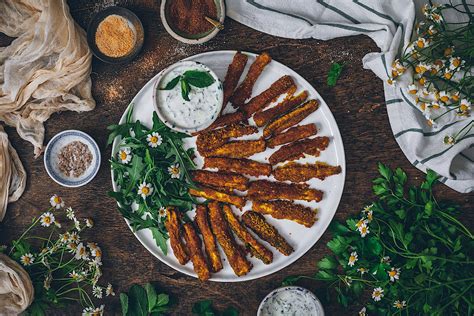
[[301, 238]]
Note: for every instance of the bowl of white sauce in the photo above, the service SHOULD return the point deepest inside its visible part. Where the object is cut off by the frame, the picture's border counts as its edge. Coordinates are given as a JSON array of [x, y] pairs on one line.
[[188, 96], [290, 300]]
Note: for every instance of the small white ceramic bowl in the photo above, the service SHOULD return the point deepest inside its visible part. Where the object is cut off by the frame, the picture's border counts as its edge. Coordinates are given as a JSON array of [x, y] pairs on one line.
[[51, 157], [193, 39], [160, 111], [263, 309]]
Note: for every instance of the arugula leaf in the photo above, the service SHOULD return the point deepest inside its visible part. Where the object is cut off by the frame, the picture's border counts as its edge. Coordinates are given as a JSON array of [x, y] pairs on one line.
[[334, 73], [199, 79], [170, 85], [160, 238]]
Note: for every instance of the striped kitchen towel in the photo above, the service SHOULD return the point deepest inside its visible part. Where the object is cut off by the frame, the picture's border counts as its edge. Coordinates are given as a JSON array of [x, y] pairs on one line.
[[390, 24]]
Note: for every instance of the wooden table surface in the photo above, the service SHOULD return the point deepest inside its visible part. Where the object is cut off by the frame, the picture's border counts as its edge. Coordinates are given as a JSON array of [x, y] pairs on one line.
[[357, 103]]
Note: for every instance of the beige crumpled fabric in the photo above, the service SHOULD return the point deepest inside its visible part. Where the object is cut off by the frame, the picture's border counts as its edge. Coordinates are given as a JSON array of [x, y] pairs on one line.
[[12, 174], [46, 69], [16, 289]]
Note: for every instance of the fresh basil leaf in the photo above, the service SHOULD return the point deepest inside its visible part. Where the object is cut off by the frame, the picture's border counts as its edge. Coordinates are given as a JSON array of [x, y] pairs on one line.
[[170, 85], [138, 303], [151, 296], [334, 73], [199, 79], [124, 303], [185, 88]]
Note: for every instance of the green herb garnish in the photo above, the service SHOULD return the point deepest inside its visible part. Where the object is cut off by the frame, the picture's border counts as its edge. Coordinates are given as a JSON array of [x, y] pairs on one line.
[[195, 78], [334, 73], [154, 158], [205, 308], [406, 251], [144, 301]]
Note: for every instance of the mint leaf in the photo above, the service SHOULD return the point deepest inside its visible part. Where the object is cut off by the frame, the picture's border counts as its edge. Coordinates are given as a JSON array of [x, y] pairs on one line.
[[124, 303], [203, 308], [199, 79], [151, 296], [185, 88], [138, 302], [334, 73], [230, 311], [170, 85]]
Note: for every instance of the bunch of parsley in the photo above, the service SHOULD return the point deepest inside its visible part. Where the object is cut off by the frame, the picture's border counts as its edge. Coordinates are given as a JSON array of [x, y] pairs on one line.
[[411, 234], [150, 165]]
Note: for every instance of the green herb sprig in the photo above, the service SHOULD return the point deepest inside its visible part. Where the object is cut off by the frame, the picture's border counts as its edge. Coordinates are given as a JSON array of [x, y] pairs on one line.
[[205, 308], [143, 301], [151, 165], [195, 78], [334, 73], [407, 249]]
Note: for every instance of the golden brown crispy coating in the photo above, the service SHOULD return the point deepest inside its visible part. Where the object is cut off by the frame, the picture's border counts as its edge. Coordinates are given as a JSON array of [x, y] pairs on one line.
[[293, 134], [237, 149], [235, 70], [212, 194], [197, 257], [262, 118], [215, 138], [291, 118], [279, 87], [210, 244], [265, 190], [236, 258], [256, 248], [172, 225], [221, 179], [296, 172], [266, 231], [244, 91], [282, 209], [245, 166], [224, 120], [298, 149]]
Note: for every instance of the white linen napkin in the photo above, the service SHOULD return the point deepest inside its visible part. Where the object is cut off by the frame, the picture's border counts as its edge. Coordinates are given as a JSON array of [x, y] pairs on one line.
[[390, 25]]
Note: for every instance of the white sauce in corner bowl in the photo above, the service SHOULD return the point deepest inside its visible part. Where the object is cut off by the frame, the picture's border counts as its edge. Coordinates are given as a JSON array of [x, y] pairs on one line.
[[290, 301], [187, 116]]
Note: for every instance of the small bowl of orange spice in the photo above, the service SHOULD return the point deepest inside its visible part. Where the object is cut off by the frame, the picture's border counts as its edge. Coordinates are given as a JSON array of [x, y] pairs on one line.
[[193, 21], [115, 35]]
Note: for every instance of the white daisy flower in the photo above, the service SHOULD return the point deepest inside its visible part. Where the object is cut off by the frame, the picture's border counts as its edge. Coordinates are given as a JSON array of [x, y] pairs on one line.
[[154, 139], [174, 171], [109, 290], [162, 211], [74, 237], [362, 271], [89, 222], [399, 304], [97, 291], [386, 259], [27, 259], [412, 89], [370, 216], [64, 238], [145, 189], [464, 106], [56, 201], [377, 294], [47, 219], [70, 214], [81, 252], [352, 259], [125, 155], [444, 96], [96, 252], [363, 312], [421, 42], [361, 222], [77, 225], [91, 311], [363, 230], [76, 276], [455, 62], [72, 246], [394, 274], [449, 140]]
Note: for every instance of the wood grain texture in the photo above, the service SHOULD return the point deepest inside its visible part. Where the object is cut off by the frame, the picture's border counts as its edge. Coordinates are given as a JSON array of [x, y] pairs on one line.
[[357, 103]]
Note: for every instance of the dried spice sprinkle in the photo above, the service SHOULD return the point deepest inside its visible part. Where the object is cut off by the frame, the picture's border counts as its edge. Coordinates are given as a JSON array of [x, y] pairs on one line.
[[115, 36], [74, 159], [189, 16]]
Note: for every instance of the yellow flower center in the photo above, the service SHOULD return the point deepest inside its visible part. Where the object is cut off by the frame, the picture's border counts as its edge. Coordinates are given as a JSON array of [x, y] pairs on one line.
[[455, 97], [364, 230], [456, 62], [98, 253], [463, 107], [420, 44], [47, 220], [377, 293], [420, 69], [26, 260], [174, 170], [423, 106], [145, 190], [392, 273], [422, 81], [123, 155], [448, 75], [352, 258], [154, 139], [445, 98], [57, 199], [435, 106]]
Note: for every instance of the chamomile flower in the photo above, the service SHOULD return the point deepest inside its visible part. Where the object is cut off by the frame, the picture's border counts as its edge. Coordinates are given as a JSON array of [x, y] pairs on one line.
[[46, 219], [56, 201], [174, 171], [154, 139], [412, 89], [435, 105], [162, 211], [70, 214], [448, 74], [74, 237], [96, 252], [455, 62], [361, 222], [421, 42], [97, 291], [394, 274], [362, 271], [444, 96], [125, 155], [89, 222], [27, 259], [75, 276], [455, 96], [109, 290], [363, 230], [352, 259], [145, 189], [464, 106], [449, 140], [64, 238], [370, 215], [386, 259], [377, 294], [448, 51], [91, 311], [363, 311], [421, 68], [72, 247], [81, 252], [432, 30], [399, 304]]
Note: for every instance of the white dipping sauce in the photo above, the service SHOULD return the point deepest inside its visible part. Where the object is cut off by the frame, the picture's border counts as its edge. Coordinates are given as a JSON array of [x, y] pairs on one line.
[[196, 114], [291, 301]]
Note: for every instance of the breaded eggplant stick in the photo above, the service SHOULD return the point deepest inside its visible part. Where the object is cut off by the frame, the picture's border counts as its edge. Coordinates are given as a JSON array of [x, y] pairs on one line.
[[197, 257], [237, 149], [221, 179], [215, 138], [211, 194], [291, 118], [224, 120], [210, 244], [281, 209], [257, 223], [264, 190], [279, 87], [256, 248], [235, 70], [296, 172], [236, 258], [293, 134], [172, 225], [245, 166], [262, 118], [298, 149], [244, 91]]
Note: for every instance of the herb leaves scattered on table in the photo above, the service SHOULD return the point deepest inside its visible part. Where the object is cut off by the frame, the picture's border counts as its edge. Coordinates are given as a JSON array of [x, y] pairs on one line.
[[334, 73], [151, 170], [205, 308], [195, 78], [407, 250], [144, 301]]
